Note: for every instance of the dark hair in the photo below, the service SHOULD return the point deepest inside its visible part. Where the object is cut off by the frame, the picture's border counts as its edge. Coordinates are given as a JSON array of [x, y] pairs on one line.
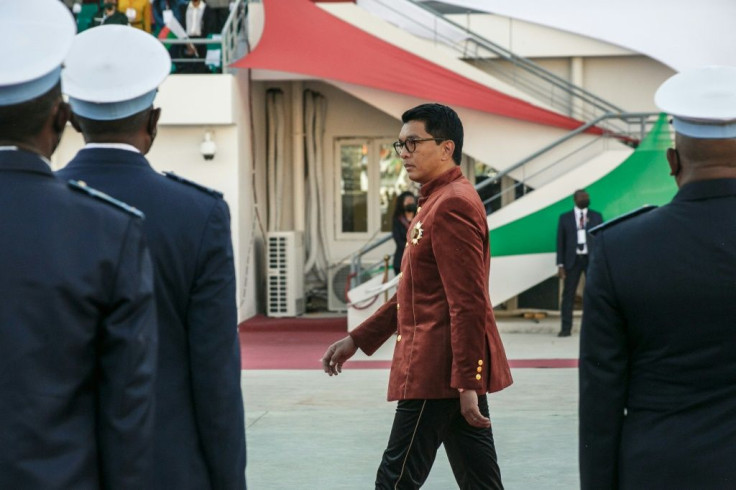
[[441, 122], [399, 206], [19, 121], [126, 125]]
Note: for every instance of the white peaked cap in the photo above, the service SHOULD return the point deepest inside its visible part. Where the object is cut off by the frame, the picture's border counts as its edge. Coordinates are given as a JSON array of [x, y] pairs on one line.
[[113, 72], [35, 36], [702, 102]]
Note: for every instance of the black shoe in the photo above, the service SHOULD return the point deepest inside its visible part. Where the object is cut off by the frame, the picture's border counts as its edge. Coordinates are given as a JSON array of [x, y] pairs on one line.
[[563, 334]]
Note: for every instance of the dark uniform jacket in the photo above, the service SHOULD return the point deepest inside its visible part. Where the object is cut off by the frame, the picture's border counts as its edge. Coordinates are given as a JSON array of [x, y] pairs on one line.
[[567, 235], [447, 336], [658, 341], [200, 435], [77, 336]]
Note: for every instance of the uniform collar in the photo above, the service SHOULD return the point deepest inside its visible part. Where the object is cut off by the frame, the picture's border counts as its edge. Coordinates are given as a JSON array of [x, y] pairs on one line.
[[118, 146], [101, 156], [24, 161], [706, 189], [439, 182]]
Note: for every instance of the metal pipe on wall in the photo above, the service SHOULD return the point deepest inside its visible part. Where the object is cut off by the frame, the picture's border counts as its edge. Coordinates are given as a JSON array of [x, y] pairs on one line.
[[297, 154], [276, 144], [314, 127], [280, 170], [311, 239], [271, 159], [319, 131]]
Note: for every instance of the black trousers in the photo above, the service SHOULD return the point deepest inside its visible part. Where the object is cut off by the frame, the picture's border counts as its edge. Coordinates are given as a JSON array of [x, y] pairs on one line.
[[570, 285], [420, 426]]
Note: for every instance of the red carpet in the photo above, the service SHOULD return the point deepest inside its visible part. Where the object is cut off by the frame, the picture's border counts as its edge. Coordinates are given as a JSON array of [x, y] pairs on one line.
[[288, 343], [261, 323], [299, 343]]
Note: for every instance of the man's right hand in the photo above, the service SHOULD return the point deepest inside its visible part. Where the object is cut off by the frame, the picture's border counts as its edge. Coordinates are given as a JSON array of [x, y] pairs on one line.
[[337, 354], [561, 272], [469, 409]]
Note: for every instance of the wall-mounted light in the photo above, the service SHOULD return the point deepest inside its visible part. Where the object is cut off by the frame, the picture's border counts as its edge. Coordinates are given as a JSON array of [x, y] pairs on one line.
[[208, 148]]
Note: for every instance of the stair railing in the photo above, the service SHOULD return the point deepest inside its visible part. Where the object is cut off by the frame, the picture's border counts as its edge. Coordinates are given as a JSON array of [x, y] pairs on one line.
[[527, 76]]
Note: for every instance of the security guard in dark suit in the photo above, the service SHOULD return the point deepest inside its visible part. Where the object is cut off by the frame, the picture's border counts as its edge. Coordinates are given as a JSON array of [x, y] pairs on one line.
[[572, 252], [657, 359], [77, 313], [199, 431]]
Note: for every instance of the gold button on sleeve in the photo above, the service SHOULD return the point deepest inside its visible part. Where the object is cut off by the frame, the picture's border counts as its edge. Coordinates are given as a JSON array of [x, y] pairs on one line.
[[480, 369], [477, 376], [398, 306], [480, 362], [419, 209], [398, 338]]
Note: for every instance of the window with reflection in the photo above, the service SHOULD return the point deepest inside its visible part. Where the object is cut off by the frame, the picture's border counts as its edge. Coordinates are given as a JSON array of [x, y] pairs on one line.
[[354, 187], [371, 176]]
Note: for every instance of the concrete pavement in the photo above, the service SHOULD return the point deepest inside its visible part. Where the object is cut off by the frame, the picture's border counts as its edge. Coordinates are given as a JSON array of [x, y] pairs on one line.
[[308, 431]]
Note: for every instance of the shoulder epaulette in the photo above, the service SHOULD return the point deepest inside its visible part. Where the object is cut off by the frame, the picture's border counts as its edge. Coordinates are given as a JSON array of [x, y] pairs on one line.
[[201, 187], [620, 219], [81, 186]]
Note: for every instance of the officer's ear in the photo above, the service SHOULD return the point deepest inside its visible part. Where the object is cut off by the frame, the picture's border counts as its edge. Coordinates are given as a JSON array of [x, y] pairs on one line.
[[60, 117], [152, 126], [673, 158], [75, 123]]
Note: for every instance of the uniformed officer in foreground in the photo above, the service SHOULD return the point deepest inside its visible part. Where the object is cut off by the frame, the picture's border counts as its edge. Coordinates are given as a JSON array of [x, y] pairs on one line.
[[657, 358], [199, 430], [77, 313]]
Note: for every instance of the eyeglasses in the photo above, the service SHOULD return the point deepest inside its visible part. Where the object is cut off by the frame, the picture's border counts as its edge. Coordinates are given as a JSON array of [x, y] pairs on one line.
[[411, 144]]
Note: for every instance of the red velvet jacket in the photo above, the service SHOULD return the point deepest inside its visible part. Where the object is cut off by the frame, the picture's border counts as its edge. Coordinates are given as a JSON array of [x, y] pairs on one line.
[[447, 336]]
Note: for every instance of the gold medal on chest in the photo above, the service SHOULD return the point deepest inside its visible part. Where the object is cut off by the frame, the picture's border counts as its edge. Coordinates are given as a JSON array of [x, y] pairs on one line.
[[416, 233]]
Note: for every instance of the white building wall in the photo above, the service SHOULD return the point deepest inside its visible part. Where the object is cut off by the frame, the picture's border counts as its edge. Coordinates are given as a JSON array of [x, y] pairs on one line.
[[629, 81], [534, 40]]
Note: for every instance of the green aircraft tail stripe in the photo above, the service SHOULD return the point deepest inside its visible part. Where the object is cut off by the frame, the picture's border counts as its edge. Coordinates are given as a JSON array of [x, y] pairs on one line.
[[641, 179]]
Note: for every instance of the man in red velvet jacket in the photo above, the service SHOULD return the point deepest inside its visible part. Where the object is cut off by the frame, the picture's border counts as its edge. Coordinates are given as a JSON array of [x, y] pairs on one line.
[[448, 353]]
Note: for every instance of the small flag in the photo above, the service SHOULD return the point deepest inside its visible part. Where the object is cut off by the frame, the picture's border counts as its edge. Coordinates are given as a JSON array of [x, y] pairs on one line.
[[165, 33], [173, 26]]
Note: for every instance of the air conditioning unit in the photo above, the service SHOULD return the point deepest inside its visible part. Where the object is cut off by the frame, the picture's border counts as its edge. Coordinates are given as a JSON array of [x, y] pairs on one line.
[[338, 278], [337, 286], [285, 276]]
